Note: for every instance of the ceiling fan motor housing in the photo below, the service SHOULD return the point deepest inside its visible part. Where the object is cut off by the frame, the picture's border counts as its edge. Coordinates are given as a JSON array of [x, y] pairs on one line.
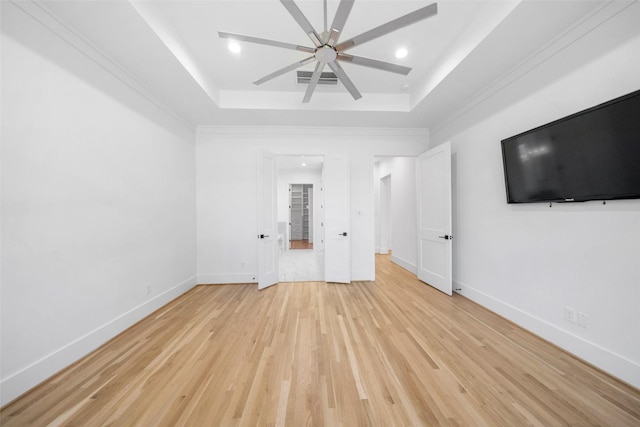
[[326, 54]]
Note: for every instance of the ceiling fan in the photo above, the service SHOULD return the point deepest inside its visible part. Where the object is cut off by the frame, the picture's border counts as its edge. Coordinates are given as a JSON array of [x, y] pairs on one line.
[[327, 50]]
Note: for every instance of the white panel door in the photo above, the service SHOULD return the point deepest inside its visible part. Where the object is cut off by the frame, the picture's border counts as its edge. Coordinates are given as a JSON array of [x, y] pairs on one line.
[[433, 172], [337, 235], [267, 220]]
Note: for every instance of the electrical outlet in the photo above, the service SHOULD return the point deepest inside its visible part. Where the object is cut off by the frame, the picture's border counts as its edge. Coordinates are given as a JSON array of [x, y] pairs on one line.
[[583, 320], [569, 314]]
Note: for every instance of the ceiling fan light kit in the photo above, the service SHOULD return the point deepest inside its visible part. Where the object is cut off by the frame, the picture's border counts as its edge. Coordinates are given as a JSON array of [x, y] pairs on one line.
[[327, 51]]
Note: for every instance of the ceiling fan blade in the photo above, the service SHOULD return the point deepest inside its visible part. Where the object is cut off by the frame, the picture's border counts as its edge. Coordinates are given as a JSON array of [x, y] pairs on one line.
[[284, 70], [396, 24], [344, 8], [302, 21], [313, 82], [267, 42], [342, 76], [374, 63]]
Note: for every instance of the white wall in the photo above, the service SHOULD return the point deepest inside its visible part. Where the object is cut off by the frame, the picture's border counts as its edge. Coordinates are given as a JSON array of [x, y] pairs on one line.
[[301, 176], [98, 200], [403, 212], [227, 216], [527, 262]]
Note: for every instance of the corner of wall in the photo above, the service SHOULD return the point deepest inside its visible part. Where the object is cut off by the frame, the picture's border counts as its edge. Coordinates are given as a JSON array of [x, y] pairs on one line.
[[405, 264], [30, 376], [620, 367]]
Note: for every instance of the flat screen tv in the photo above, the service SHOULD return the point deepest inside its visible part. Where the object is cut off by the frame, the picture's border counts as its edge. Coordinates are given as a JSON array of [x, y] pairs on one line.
[[590, 155]]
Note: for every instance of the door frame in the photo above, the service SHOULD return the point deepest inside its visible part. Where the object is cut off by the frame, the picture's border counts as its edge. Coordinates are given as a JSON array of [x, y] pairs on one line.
[[320, 200], [310, 217], [377, 176]]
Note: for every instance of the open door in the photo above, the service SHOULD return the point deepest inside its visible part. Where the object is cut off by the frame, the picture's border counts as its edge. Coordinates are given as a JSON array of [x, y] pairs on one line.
[[267, 220], [433, 171], [337, 235]]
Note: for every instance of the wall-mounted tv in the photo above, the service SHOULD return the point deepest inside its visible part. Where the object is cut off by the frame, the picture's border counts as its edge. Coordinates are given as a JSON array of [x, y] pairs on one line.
[[590, 155]]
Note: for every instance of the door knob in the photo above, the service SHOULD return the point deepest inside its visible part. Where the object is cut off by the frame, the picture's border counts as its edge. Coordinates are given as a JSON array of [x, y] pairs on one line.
[[262, 236], [342, 234], [446, 237]]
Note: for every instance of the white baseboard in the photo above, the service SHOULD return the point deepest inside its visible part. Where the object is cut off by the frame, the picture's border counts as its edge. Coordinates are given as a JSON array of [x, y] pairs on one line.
[[610, 362], [223, 279], [404, 264], [22, 381]]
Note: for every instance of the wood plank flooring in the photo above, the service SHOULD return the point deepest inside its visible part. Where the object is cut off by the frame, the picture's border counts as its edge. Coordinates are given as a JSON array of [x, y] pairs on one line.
[[301, 244], [393, 352]]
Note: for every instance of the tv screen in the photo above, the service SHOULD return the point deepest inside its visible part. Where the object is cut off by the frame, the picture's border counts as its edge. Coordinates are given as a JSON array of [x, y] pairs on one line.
[[590, 155]]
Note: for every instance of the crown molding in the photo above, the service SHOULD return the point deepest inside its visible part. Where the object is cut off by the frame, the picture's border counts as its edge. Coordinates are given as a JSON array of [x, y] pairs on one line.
[[38, 11], [580, 29], [311, 130]]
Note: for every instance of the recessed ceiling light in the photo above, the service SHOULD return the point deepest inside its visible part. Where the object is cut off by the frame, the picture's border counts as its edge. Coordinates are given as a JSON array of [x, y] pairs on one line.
[[234, 47], [304, 164], [401, 53]]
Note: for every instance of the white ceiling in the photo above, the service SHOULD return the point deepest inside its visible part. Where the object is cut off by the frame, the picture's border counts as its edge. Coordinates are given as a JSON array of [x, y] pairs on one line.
[[171, 48]]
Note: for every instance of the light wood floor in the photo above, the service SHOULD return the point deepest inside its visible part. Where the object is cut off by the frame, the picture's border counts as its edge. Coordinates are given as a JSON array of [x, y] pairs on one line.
[[390, 353], [301, 244]]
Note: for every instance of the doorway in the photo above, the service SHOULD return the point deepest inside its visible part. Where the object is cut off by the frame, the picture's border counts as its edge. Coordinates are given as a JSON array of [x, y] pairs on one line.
[[300, 216], [394, 182], [301, 232]]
